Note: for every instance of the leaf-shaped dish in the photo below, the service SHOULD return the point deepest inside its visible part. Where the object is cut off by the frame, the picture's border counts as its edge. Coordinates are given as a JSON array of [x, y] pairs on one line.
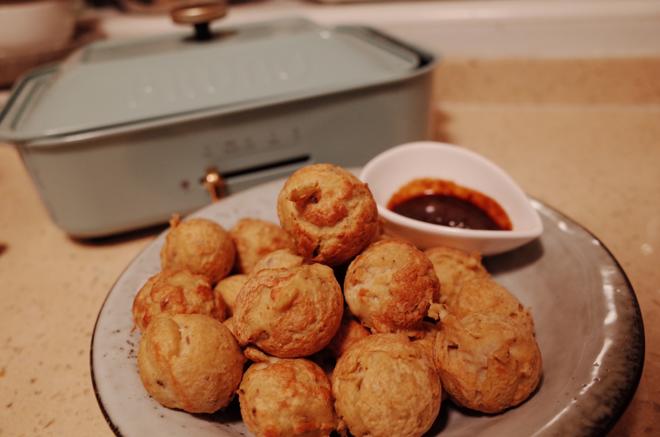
[[392, 169]]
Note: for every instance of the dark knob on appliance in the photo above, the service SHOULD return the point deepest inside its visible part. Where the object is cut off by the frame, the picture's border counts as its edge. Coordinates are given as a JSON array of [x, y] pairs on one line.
[[199, 13]]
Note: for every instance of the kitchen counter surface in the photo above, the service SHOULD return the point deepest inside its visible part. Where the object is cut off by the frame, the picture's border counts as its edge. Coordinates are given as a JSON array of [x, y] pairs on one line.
[[595, 156]]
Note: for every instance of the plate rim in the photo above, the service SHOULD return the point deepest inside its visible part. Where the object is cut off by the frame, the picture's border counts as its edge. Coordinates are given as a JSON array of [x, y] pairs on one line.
[[604, 425], [600, 426]]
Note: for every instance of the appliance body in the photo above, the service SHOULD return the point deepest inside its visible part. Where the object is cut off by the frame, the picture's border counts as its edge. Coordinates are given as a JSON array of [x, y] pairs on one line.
[[121, 177]]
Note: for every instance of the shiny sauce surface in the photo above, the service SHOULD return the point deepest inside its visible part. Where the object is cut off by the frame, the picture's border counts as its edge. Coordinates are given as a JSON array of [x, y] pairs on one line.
[[446, 203]]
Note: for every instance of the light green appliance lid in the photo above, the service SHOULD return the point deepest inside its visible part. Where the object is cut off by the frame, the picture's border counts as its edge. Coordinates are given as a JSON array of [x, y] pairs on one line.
[[110, 84]]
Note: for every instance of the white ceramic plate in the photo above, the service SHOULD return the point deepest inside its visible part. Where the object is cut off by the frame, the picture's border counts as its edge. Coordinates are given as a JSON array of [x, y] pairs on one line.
[[588, 326]]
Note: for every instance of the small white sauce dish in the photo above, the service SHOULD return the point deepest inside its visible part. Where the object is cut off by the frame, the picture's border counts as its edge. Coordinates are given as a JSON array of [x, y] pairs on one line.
[[390, 170]]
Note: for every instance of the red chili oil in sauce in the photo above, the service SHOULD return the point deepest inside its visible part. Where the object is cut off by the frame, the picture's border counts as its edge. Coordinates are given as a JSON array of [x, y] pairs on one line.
[[446, 203]]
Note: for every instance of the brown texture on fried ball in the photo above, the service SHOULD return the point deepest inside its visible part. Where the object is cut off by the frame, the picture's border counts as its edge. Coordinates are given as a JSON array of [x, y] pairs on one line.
[[226, 291], [487, 363], [190, 362], [350, 332], [287, 397], [424, 337], [200, 246], [330, 213], [229, 324], [384, 385], [256, 238], [175, 292], [291, 312], [390, 286], [454, 267], [279, 259], [484, 295]]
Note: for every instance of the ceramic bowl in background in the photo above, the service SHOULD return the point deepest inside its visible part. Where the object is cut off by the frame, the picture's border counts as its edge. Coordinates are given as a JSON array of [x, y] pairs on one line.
[[390, 170], [35, 26]]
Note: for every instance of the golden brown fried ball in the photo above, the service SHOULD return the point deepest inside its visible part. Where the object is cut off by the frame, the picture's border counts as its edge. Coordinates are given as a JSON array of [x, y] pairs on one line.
[[350, 331], [190, 362], [453, 268], [229, 324], [487, 363], [226, 291], [279, 259], [330, 214], [424, 337], [200, 246], [390, 286], [175, 292], [384, 385], [290, 397], [255, 239], [484, 295], [289, 312]]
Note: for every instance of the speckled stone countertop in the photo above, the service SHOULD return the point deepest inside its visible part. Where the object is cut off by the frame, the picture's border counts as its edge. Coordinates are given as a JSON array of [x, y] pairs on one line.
[[567, 131]]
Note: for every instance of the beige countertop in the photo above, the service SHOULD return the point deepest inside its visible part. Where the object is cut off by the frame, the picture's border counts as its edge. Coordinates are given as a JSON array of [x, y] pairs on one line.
[[592, 153]]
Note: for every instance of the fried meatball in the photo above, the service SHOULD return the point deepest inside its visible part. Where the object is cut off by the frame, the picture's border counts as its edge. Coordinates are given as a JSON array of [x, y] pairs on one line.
[[453, 268], [175, 292], [350, 331], [484, 295], [226, 291], [487, 363], [291, 312], [279, 259], [290, 397], [330, 213], [254, 239], [190, 362], [384, 385], [390, 286], [200, 246]]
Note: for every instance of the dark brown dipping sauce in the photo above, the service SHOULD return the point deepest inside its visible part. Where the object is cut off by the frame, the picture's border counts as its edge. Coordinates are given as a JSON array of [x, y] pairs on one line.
[[446, 211], [445, 203]]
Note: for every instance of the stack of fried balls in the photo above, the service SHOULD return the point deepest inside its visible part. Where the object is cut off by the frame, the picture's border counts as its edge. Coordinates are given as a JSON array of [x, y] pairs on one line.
[[327, 324]]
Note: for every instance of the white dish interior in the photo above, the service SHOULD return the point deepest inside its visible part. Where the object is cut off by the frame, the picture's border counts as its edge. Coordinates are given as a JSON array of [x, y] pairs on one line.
[[392, 169]]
